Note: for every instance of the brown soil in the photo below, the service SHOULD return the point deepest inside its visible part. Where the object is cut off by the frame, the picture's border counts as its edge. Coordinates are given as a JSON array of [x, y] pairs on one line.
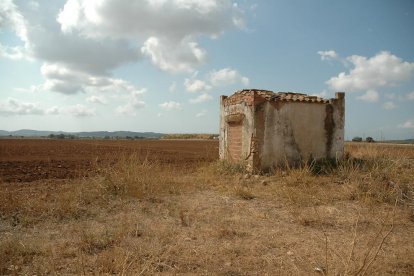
[[186, 214], [27, 160]]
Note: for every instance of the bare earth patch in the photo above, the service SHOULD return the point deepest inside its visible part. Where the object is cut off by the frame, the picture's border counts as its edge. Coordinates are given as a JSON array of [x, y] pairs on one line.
[[141, 216]]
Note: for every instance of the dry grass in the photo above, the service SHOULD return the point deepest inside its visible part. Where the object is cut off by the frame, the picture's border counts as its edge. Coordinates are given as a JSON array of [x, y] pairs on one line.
[[131, 176], [353, 217]]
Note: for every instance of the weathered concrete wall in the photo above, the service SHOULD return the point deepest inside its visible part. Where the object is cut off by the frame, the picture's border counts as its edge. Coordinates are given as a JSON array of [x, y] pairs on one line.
[[338, 135], [292, 132], [276, 132], [222, 132]]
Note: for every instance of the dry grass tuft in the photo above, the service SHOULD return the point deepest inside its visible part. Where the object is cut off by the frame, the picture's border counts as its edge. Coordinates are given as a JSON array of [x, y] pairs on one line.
[[244, 193], [230, 233], [17, 252], [226, 168], [131, 176], [97, 239]]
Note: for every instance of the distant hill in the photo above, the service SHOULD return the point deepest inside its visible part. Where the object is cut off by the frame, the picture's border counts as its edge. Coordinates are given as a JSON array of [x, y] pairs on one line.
[[96, 134], [407, 141]]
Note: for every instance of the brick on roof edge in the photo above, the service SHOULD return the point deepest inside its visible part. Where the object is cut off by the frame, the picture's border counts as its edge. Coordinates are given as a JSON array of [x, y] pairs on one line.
[[282, 96]]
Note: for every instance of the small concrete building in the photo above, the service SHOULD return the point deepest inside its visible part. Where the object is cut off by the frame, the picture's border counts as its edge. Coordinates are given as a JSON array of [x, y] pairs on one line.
[[266, 129]]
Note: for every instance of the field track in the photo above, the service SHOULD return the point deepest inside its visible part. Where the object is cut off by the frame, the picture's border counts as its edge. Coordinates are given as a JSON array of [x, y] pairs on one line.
[[27, 160]]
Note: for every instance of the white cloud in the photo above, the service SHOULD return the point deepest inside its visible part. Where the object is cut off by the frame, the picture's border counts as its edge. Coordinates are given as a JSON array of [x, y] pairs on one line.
[[11, 17], [80, 110], [370, 96], [171, 105], [64, 87], [175, 19], [44, 41], [322, 94], [172, 87], [16, 52], [111, 85], [174, 57], [130, 108], [238, 18], [96, 99], [77, 53], [13, 106], [389, 105], [227, 76], [90, 38], [396, 97], [408, 124], [381, 70], [54, 110], [169, 28], [60, 78], [239, 22], [194, 85], [31, 89], [222, 77], [328, 55], [134, 103], [33, 5], [70, 61], [254, 6], [410, 96], [201, 98], [202, 113]]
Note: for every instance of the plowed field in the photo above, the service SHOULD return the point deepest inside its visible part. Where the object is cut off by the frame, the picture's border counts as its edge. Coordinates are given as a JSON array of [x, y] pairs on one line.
[[27, 160]]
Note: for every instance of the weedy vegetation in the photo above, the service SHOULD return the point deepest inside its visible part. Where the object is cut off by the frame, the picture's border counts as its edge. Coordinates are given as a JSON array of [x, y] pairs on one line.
[[138, 217]]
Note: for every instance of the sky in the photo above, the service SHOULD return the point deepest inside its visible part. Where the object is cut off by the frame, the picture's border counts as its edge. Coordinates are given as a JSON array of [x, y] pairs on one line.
[[161, 65]]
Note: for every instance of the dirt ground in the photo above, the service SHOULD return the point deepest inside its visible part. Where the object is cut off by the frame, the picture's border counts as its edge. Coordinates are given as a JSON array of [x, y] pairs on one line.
[[106, 210], [27, 160]]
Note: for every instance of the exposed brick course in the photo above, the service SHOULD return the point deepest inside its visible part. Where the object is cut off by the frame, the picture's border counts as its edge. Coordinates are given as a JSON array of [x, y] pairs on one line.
[[235, 141], [252, 96]]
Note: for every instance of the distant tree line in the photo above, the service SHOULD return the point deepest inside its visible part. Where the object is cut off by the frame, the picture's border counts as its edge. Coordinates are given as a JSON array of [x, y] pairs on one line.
[[71, 136], [125, 137], [190, 136], [61, 136]]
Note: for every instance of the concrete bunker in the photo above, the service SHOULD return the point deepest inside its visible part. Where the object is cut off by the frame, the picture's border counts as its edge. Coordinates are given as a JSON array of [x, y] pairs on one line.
[[265, 129]]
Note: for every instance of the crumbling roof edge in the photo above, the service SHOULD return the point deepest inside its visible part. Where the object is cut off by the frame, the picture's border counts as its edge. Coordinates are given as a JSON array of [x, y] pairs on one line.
[[281, 96]]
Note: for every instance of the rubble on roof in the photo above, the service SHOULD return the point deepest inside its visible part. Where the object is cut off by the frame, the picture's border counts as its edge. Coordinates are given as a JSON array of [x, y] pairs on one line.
[[281, 96]]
